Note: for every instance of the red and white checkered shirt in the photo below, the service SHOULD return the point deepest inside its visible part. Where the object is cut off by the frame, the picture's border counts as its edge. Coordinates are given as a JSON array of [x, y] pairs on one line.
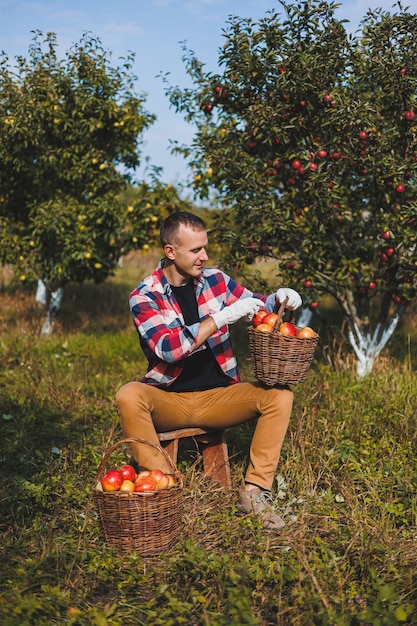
[[166, 339]]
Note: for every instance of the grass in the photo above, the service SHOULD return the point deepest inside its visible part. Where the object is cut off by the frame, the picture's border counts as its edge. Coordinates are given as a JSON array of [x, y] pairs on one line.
[[346, 485]]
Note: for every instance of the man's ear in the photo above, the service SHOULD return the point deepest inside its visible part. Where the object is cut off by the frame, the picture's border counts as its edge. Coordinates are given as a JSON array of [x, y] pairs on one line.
[[169, 251]]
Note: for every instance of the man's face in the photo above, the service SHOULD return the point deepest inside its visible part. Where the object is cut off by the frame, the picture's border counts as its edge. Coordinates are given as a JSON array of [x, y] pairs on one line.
[[188, 252]]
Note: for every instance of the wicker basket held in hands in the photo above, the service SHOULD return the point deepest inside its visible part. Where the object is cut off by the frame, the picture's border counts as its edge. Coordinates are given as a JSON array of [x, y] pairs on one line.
[[279, 359], [148, 522]]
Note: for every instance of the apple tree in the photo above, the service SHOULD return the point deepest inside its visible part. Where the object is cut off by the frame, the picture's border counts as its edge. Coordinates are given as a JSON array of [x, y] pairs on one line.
[[148, 203], [308, 134], [70, 133]]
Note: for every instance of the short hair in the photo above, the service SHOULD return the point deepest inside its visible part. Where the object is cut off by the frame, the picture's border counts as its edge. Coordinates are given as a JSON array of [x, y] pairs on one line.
[[171, 225]]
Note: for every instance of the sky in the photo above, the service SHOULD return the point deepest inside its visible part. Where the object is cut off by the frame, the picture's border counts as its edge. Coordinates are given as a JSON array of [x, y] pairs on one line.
[[153, 30]]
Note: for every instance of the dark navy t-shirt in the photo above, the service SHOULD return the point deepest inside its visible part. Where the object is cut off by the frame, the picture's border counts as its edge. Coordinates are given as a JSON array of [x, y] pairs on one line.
[[200, 370]]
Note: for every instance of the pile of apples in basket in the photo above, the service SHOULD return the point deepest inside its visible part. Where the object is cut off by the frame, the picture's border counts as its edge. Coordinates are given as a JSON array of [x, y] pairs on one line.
[[265, 322], [125, 479]]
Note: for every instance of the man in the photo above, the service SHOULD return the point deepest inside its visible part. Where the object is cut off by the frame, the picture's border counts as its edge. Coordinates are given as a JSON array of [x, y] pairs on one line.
[[182, 313]]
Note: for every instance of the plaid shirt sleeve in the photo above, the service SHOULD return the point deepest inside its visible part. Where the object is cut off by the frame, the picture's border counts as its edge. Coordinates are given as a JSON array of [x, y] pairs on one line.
[[164, 337]]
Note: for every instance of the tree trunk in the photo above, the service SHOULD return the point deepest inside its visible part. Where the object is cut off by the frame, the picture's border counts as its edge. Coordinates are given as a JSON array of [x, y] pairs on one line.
[[43, 295], [367, 347]]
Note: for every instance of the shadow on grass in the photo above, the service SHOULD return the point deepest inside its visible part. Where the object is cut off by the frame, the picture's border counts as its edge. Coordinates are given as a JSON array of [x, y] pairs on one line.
[[33, 438]]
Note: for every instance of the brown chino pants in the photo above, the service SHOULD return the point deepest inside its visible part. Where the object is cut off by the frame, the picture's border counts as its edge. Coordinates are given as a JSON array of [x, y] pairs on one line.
[[145, 410]]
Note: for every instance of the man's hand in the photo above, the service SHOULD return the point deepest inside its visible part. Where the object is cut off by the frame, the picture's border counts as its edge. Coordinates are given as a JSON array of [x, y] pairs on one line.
[[294, 298], [245, 308]]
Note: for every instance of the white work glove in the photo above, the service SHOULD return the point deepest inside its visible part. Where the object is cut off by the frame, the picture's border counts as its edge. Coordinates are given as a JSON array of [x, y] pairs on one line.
[[245, 308], [294, 298]]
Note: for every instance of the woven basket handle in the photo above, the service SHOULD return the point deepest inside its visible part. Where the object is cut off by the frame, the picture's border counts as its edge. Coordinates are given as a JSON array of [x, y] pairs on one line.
[[281, 309], [280, 313], [100, 471]]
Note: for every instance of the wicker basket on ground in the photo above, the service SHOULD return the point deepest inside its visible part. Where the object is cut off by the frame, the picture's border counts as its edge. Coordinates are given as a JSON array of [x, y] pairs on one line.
[[148, 523]]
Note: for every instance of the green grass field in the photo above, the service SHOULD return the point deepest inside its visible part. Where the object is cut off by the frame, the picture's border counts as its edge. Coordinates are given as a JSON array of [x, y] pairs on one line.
[[346, 485]]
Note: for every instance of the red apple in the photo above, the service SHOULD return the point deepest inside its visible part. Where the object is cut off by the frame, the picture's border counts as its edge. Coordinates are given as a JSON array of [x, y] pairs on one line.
[[409, 115], [363, 135], [400, 188], [386, 235], [372, 285], [307, 284], [313, 305], [296, 164], [258, 318], [270, 319], [112, 480], [390, 251], [288, 329], [322, 153], [145, 483], [160, 478], [128, 472], [313, 166]]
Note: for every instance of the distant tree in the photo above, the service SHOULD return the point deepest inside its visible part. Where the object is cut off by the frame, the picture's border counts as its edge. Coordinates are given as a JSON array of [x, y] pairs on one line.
[[70, 134], [148, 204], [309, 136]]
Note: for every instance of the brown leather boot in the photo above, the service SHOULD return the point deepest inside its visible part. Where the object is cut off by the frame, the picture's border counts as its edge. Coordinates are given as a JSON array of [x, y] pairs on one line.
[[258, 501]]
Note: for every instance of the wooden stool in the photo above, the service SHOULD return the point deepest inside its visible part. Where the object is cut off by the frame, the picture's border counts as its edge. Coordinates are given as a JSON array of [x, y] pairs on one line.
[[211, 444]]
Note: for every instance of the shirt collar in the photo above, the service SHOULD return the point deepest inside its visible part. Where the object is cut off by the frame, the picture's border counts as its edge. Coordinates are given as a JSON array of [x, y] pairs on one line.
[[198, 282]]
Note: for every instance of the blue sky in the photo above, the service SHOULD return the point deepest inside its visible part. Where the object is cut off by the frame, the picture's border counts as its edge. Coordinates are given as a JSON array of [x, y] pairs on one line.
[[153, 29]]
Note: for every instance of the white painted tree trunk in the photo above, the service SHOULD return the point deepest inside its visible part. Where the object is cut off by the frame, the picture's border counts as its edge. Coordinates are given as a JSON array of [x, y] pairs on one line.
[[55, 300], [368, 347], [304, 317]]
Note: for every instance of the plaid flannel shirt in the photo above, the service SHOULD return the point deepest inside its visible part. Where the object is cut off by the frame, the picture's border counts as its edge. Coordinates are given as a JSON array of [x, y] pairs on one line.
[[166, 339]]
